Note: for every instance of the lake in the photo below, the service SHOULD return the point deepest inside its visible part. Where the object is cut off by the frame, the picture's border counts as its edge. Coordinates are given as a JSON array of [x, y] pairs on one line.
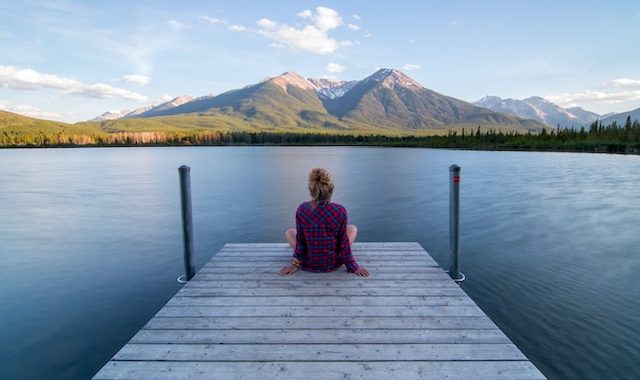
[[90, 241]]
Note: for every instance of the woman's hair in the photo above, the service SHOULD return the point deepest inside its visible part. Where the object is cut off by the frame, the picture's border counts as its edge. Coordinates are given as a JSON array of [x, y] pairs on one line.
[[320, 185]]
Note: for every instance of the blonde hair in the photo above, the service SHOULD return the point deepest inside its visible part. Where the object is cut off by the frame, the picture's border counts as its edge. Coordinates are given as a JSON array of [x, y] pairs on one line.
[[320, 185]]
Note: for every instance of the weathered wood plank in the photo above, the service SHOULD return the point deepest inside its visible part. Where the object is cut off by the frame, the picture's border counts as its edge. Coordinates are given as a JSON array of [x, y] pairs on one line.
[[340, 275], [212, 282], [318, 352], [319, 292], [424, 370], [319, 311], [356, 245], [280, 264], [287, 257], [323, 301], [276, 269], [289, 252], [195, 323], [320, 336]]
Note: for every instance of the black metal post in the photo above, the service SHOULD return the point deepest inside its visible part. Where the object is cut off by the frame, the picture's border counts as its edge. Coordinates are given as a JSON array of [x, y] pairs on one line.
[[187, 224]]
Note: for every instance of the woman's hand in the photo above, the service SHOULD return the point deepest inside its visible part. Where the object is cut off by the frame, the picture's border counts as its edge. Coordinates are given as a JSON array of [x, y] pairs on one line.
[[288, 270], [361, 272]]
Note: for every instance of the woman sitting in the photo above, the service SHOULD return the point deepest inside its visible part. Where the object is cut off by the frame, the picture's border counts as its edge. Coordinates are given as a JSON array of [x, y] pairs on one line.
[[322, 238]]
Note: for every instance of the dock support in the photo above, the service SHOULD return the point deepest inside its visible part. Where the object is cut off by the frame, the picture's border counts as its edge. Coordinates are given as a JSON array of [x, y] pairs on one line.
[[454, 224], [187, 224]]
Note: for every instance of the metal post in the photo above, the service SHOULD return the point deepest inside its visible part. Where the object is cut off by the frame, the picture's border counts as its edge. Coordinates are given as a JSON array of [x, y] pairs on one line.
[[454, 224], [187, 224]]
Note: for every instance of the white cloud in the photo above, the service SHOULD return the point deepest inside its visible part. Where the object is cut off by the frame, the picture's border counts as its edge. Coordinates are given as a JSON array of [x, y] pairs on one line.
[[177, 25], [353, 26], [225, 23], [236, 28], [356, 17], [28, 110], [368, 35], [305, 14], [410, 66], [334, 68], [137, 79], [625, 83], [593, 96], [618, 90], [312, 37], [28, 79]]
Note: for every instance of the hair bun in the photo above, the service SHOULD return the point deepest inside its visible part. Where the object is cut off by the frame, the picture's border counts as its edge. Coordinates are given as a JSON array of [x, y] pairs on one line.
[[320, 184]]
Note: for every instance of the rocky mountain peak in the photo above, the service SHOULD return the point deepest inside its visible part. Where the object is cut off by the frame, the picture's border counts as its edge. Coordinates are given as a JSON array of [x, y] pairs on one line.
[[291, 78]]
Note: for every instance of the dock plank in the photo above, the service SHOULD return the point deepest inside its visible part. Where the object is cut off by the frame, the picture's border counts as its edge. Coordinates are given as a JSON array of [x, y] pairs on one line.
[[238, 319], [320, 370]]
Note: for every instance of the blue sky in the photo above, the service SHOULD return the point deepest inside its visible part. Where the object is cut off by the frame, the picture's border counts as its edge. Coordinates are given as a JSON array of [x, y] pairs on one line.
[[71, 61]]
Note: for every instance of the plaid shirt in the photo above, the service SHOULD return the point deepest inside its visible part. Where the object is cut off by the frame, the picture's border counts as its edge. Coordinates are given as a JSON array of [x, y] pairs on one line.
[[321, 239]]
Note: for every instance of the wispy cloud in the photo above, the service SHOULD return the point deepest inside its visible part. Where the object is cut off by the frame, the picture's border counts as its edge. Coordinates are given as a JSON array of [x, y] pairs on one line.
[[137, 79], [334, 68], [410, 66], [3, 32], [177, 25], [225, 23], [312, 37], [356, 17], [615, 91], [625, 83], [31, 80], [353, 26]]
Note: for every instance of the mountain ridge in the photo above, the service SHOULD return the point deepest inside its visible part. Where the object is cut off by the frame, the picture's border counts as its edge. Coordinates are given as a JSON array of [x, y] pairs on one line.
[[540, 109], [388, 99]]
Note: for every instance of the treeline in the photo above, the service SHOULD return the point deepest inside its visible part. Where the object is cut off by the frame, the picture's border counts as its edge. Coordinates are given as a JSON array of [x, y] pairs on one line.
[[611, 138]]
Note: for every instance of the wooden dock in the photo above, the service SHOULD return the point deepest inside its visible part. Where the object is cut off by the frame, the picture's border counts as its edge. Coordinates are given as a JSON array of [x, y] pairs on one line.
[[238, 319]]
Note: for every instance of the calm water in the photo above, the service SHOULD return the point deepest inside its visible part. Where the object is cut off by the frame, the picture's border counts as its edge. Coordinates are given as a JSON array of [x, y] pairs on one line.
[[90, 242]]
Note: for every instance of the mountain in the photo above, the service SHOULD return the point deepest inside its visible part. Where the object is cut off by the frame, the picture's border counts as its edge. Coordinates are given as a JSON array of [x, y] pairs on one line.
[[138, 111], [542, 110], [390, 99], [157, 110], [111, 115], [386, 100], [287, 100], [621, 117], [331, 88], [147, 111]]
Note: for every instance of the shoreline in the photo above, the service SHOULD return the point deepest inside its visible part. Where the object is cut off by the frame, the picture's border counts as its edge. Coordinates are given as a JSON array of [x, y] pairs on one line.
[[634, 151]]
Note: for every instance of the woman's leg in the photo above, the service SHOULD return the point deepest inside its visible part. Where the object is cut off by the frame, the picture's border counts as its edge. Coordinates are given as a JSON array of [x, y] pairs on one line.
[[352, 232], [290, 235]]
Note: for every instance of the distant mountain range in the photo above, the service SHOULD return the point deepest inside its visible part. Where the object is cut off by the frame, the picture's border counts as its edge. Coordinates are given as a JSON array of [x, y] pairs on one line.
[[144, 111], [544, 111], [621, 118], [387, 100]]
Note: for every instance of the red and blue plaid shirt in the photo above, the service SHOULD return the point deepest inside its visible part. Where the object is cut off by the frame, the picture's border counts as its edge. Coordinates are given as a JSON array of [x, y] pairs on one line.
[[322, 243]]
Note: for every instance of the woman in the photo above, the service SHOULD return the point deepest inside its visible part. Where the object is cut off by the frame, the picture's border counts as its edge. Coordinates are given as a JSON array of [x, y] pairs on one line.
[[322, 238]]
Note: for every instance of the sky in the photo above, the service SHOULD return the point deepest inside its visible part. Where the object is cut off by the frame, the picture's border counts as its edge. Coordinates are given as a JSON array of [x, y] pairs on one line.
[[73, 60]]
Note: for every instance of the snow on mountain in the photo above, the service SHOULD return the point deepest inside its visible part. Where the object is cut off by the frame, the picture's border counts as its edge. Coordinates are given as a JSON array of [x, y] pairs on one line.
[[332, 88]]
